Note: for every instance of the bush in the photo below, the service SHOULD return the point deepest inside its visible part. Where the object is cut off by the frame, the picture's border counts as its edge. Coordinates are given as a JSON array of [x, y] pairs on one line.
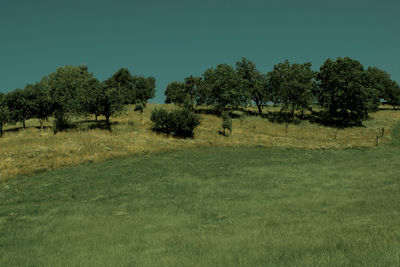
[[179, 123], [226, 122]]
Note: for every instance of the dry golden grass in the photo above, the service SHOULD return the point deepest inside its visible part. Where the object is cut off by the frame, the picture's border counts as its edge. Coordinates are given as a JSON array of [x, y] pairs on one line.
[[32, 150]]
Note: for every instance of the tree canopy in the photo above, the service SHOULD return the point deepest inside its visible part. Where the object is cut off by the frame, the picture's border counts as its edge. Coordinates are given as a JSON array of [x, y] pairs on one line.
[[224, 87], [254, 83], [343, 91]]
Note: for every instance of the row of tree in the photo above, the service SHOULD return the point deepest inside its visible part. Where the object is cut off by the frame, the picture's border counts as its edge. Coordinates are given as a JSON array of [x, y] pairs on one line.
[[74, 91], [344, 90]]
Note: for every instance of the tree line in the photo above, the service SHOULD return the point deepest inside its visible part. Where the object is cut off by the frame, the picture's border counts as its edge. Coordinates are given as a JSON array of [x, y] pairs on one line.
[[74, 91], [343, 89]]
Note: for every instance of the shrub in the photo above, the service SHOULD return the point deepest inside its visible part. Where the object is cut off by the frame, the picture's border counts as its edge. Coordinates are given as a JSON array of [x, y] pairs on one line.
[[226, 122], [179, 123]]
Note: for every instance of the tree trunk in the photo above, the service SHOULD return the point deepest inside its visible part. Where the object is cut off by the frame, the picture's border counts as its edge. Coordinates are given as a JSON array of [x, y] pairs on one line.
[[1, 129], [41, 125], [108, 122], [95, 117], [259, 106], [23, 124]]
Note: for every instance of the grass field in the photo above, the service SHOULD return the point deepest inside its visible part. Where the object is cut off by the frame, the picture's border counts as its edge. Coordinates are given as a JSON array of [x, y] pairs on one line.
[[32, 151], [224, 206]]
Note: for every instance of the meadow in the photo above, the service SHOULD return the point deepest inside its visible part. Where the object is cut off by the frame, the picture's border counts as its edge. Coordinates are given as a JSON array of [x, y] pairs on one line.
[[210, 206], [31, 150]]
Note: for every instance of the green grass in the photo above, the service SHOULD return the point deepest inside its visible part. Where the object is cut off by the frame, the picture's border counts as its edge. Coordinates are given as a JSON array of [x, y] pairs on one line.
[[209, 207]]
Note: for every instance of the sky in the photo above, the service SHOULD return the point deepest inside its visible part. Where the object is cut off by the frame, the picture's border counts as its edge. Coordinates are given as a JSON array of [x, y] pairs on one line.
[[173, 39]]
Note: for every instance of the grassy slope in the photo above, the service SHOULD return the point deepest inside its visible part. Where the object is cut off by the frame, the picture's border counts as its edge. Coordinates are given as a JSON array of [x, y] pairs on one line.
[[31, 151], [206, 207]]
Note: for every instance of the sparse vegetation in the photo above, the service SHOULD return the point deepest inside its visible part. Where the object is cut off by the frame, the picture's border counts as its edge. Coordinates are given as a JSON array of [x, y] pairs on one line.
[[32, 150]]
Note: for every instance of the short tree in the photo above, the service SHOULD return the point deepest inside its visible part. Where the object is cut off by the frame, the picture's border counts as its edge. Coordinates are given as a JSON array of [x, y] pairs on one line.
[[343, 92], [255, 83], [226, 122]]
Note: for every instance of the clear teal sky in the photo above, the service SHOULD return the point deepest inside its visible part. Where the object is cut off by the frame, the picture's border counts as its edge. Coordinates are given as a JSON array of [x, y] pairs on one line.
[[172, 39]]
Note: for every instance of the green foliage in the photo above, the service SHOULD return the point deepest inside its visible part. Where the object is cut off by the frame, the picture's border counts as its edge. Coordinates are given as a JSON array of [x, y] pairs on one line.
[[291, 85], [387, 89], [4, 113], [226, 122], [224, 87], [122, 80], [175, 93], [393, 94], [110, 100], [343, 91], [65, 85], [254, 83], [143, 90], [188, 94], [179, 123], [42, 103], [19, 106], [90, 97]]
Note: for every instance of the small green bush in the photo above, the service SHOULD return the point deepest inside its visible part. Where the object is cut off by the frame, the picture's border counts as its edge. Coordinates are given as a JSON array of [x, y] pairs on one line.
[[226, 122], [179, 123]]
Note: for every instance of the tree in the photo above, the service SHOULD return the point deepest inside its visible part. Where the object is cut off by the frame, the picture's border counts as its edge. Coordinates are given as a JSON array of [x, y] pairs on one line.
[[143, 90], [386, 88], [42, 103], [190, 93], [89, 97], [19, 106], [111, 100], [393, 95], [123, 81], [291, 85], [224, 88], [255, 84], [4, 113], [65, 85], [343, 92], [175, 93]]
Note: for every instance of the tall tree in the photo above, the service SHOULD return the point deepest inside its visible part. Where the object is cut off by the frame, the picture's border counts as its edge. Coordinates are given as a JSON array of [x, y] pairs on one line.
[[255, 83], [291, 85], [224, 87], [65, 85], [4, 113], [343, 92]]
